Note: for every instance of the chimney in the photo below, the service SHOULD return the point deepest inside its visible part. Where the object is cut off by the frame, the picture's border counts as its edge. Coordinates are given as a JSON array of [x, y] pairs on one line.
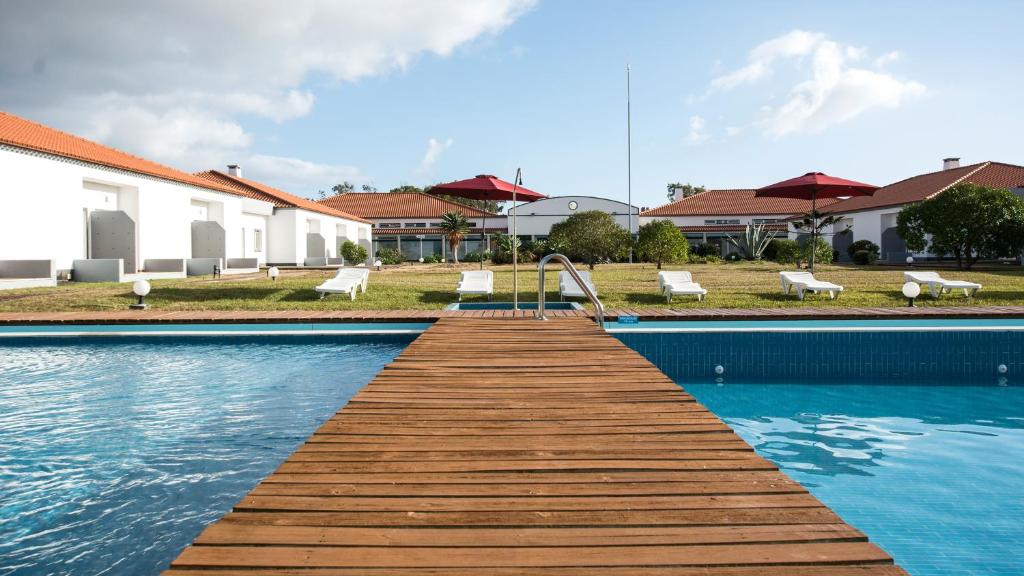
[[950, 163], [235, 170]]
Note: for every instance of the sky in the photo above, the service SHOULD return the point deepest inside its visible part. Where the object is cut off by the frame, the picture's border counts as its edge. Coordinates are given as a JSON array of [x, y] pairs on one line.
[[724, 94]]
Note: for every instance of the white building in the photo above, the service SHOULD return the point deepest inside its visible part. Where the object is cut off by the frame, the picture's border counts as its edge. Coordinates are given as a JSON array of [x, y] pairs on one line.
[[301, 232], [69, 200], [408, 221], [710, 216], [874, 217], [535, 219]]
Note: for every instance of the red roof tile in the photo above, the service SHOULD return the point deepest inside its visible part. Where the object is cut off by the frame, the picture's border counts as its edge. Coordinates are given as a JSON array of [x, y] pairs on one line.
[[281, 199], [741, 202], [398, 205], [924, 186], [21, 133]]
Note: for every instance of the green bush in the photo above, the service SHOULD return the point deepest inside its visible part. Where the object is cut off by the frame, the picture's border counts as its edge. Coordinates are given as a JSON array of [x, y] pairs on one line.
[[734, 257], [433, 259], [661, 241], [864, 257], [389, 256], [704, 250], [590, 237], [353, 253], [786, 251], [823, 252], [475, 257], [866, 246], [709, 259]]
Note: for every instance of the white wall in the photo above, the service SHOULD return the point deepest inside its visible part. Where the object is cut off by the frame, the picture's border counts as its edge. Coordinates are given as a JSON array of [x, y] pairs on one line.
[[44, 199], [288, 229], [537, 218]]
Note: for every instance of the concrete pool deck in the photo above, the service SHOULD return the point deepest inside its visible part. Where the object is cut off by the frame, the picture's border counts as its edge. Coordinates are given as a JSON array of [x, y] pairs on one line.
[[343, 316], [517, 447]]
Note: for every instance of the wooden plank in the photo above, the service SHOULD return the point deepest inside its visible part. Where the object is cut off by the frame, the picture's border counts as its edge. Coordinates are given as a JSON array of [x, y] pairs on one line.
[[572, 456]]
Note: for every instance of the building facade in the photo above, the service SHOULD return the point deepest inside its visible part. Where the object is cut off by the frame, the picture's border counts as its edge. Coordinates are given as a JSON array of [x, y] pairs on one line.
[[303, 232], [69, 200], [408, 222], [535, 219]]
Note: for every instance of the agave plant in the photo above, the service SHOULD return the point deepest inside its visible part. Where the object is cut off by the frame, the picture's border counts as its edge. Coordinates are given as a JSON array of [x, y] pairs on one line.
[[754, 241]]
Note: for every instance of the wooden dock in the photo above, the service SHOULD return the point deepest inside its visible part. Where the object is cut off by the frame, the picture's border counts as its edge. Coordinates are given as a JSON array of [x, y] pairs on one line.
[[515, 446]]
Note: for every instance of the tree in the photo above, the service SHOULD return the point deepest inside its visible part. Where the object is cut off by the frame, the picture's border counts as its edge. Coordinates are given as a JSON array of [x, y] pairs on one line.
[[369, 188], [589, 237], [754, 241], [343, 188], [968, 221], [406, 189], [661, 241], [677, 191], [813, 222], [353, 252], [455, 227]]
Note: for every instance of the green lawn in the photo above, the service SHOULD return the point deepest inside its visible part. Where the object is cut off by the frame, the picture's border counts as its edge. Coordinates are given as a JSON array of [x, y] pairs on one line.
[[426, 286]]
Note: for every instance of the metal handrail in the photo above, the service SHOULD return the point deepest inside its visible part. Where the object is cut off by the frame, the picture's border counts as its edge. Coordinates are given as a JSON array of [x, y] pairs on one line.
[[541, 298]]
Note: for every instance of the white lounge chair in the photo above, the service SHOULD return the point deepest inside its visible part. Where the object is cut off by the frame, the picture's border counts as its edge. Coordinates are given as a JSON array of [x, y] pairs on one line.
[[346, 281], [805, 282], [937, 285], [679, 283], [569, 288], [476, 282]]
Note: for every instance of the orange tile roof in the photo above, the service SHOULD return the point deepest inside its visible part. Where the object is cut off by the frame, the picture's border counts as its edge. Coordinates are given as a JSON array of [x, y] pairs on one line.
[[739, 202], [279, 198], [398, 205], [924, 186], [21, 133], [771, 227]]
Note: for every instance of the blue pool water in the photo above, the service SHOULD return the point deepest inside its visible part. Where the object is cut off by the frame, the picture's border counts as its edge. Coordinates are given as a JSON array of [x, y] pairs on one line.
[[932, 473], [114, 453]]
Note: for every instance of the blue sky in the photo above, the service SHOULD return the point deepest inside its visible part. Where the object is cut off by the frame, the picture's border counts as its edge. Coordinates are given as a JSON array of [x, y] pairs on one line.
[[725, 94]]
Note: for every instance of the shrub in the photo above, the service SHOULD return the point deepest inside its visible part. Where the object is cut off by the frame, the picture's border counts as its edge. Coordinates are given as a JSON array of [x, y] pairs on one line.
[[865, 245], [433, 259], [709, 259], [475, 257], [786, 251], [822, 252], [704, 250], [734, 257], [863, 257], [661, 241], [591, 236], [389, 256], [353, 253]]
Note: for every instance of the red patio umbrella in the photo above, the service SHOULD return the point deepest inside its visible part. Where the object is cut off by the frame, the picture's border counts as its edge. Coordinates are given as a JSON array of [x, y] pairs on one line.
[[812, 186], [490, 187]]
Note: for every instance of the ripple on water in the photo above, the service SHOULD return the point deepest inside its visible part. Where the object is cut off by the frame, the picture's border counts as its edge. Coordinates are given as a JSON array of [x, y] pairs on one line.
[[118, 452]]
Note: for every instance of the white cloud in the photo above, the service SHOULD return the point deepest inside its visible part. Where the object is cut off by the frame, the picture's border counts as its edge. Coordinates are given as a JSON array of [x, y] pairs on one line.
[[173, 79], [435, 148], [697, 133], [298, 176], [887, 58], [835, 92]]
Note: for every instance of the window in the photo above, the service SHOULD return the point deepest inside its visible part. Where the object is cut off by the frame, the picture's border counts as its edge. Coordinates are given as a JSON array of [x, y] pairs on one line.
[[720, 222], [766, 220], [389, 225], [415, 224], [257, 240]]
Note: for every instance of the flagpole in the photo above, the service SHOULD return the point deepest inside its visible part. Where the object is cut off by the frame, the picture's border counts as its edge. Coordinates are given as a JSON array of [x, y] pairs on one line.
[[629, 167], [512, 243]]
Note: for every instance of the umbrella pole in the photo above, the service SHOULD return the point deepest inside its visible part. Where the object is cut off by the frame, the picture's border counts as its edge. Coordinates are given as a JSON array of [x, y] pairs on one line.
[[814, 228], [515, 249], [483, 240]]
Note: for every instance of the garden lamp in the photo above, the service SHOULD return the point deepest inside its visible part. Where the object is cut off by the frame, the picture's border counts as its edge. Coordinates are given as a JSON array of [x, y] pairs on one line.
[[911, 290], [141, 289], [273, 273]]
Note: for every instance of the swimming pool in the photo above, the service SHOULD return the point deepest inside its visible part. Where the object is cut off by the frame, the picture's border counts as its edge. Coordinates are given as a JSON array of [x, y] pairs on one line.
[[116, 451], [912, 431], [931, 473]]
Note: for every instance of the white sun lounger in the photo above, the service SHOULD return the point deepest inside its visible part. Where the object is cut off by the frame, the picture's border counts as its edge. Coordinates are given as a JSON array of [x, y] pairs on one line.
[[679, 283], [569, 288], [805, 282], [476, 282], [346, 281], [937, 285]]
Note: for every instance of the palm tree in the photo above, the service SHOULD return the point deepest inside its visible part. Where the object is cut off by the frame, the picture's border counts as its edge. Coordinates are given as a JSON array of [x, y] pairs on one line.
[[454, 226]]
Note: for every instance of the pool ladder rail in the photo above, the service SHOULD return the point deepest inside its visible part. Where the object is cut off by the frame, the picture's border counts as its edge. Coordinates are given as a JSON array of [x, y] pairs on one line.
[[541, 298]]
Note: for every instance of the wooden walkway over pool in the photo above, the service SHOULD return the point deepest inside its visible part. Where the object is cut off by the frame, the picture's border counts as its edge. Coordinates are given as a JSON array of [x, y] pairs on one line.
[[513, 446]]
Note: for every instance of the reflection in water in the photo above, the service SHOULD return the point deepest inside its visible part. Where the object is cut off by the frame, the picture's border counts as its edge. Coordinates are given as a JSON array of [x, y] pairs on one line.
[[933, 474]]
